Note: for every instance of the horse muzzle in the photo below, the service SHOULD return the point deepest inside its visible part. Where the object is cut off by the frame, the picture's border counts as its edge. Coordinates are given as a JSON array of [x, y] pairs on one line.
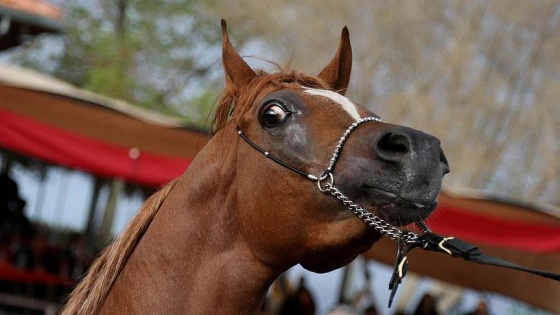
[[418, 160], [401, 176]]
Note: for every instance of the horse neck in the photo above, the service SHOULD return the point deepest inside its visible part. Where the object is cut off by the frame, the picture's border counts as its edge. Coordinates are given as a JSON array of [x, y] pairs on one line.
[[191, 257]]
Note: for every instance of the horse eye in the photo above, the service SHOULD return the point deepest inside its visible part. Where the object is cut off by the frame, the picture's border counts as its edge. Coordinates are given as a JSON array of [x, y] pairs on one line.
[[274, 115]]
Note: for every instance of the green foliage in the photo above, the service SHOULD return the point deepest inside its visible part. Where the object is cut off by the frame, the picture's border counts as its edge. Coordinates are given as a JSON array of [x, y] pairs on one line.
[[155, 54], [200, 115]]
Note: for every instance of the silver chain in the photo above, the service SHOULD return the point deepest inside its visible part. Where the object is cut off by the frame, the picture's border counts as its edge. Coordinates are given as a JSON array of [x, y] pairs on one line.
[[369, 218], [345, 136], [325, 184]]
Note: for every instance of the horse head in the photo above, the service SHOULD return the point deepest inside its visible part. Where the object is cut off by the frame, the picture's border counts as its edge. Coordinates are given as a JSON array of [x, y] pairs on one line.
[[292, 162], [392, 171], [278, 184]]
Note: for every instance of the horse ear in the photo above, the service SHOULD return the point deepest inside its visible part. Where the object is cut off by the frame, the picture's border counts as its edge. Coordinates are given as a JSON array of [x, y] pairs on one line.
[[337, 72], [237, 71]]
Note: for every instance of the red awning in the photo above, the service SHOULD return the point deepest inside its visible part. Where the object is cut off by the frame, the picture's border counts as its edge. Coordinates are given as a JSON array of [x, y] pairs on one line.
[[53, 121], [486, 229], [57, 146]]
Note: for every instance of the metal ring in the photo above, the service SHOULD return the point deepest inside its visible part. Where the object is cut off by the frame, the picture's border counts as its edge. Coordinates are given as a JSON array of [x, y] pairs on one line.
[[329, 181]]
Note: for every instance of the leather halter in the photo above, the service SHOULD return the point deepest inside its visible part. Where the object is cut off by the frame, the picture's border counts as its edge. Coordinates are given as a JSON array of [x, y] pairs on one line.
[[406, 240]]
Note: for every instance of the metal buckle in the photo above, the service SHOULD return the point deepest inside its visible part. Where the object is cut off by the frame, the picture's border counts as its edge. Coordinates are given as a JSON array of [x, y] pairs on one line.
[[401, 267], [442, 243]]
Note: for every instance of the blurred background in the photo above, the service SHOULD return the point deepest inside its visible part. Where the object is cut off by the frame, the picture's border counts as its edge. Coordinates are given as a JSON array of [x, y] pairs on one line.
[[482, 76]]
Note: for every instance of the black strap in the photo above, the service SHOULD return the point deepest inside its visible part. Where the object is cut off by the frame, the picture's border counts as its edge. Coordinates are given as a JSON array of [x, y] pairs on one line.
[[401, 267], [272, 157], [456, 248], [460, 249]]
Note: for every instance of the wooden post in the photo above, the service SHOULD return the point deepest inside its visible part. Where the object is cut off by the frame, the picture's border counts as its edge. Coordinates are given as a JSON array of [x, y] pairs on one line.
[[345, 285], [90, 225], [116, 188]]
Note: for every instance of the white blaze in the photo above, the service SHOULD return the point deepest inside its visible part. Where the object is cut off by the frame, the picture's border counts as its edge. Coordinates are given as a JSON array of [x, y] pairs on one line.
[[344, 102]]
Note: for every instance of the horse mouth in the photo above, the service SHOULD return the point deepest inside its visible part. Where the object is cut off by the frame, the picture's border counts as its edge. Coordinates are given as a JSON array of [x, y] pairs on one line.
[[397, 210]]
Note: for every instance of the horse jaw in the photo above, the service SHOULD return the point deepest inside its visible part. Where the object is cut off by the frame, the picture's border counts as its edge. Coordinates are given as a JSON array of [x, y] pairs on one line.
[[342, 250]]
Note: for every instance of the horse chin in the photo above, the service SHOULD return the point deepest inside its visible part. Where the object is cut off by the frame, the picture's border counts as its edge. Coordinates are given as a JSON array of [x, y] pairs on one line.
[[397, 210], [403, 213]]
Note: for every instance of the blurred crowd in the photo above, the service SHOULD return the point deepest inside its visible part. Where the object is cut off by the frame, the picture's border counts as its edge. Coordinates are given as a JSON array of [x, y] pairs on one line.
[[428, 306], [301, 302], [26, 246]]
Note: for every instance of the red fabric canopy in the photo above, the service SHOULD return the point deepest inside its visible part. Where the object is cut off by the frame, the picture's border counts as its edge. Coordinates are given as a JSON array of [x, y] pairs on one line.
[[51, 120], [495, 231], [13, 274], [55, 145]]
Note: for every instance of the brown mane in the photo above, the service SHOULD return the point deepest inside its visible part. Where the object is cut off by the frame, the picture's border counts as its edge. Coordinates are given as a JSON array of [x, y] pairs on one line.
[[89, 295], [231, 106]]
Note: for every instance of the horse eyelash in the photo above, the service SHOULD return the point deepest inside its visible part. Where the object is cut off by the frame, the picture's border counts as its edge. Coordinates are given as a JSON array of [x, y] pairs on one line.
[[277, 103]]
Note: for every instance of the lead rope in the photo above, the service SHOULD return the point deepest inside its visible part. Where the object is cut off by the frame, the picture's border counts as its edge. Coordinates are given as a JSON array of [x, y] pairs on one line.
[[406, 240]]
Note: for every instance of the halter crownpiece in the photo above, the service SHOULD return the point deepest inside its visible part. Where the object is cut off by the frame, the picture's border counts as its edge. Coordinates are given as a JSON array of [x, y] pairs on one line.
[[406, 240]]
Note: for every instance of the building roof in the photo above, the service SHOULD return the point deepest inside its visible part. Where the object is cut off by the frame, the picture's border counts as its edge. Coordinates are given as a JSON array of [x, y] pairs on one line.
[[33, 7], [53, 121], [20, 18]]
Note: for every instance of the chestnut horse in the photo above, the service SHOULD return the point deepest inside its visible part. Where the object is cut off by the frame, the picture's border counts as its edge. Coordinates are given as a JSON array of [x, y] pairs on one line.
[[214, 239]]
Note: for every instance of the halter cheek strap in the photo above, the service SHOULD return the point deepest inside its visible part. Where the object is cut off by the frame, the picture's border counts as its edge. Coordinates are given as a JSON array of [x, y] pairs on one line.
[[272, 157], [406, 240]]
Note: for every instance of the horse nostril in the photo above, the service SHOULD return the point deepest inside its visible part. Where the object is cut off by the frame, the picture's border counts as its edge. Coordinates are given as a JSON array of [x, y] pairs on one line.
[[393, 145]]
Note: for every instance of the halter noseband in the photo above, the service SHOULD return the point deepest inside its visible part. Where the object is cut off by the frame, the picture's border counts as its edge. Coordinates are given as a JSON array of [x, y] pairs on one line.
[[406, 240], [325, 183]]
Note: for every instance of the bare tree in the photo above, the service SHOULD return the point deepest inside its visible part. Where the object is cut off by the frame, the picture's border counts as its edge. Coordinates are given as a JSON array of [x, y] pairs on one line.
[[482, 76]]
